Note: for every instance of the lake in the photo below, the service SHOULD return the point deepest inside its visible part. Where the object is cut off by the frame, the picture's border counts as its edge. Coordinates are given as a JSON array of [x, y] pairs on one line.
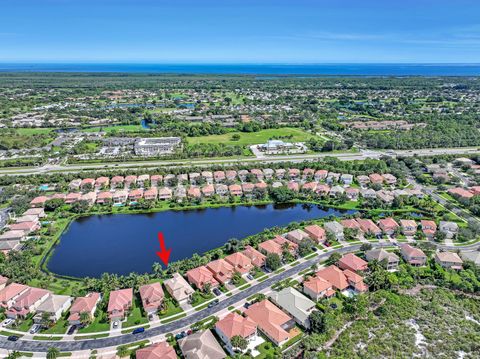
[[125, 243]]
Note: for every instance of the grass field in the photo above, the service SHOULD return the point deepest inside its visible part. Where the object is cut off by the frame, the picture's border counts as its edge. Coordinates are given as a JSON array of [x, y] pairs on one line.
[[254, 138], [125, 128]]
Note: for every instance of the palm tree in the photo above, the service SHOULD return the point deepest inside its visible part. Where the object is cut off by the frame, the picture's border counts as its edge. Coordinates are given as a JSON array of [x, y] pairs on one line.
[[52, 353], [157, 269], [122, 351], [14, 355]]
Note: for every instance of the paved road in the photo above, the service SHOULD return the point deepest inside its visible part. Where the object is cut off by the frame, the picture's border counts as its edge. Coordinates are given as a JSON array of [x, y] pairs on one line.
[[344, 156], [89, 344], [42, 346]]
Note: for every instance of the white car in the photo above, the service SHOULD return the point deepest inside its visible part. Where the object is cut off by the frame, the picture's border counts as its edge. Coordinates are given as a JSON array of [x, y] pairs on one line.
[[7, 322], [115, 324]]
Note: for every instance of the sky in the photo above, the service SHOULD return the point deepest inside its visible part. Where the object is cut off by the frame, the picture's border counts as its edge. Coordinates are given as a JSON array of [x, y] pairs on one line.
[[240, 31]]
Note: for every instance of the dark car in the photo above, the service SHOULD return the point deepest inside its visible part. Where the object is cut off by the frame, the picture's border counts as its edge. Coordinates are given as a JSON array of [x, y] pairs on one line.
[[13, 338], [138, 330], [216, 291], [72, 329], [214, 303]]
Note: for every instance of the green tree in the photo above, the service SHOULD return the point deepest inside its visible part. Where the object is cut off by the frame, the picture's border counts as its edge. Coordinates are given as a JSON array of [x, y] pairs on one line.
[[239, 342], [273, 261], [53, 353]]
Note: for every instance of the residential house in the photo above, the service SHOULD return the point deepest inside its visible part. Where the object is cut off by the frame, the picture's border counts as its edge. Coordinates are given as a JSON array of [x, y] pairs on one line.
[[323, 190], [230, 175], [336, 229], [450, 260], [194, 192], [119, 303], [179, 289], [201, 345], [117, 182], [352, 262], [332, 177], [318, 288], [240, 262], [87, 304], [201, 276], [385, 196], [309, 186], [235, 190], [130, 181], [375, 178], [390, 179], [142, 180], [104, 197], [3, 282], [102, 183], [293, 173], [412, 255], [235, 325], [268, 173], [368, 227], [363, 180], [194, 178], [10, 293], [220, 176], [293, 186], [280, 173], [89, 197], [151, 194], [409, 227], [160, 350], [221, 189], [208, 190], [258, 259], [346, 179], [336, 191], [164, 194], [388, 259], [208, 176], [429, 228], [152, 297], [271, 321], [355, 281], [54, 306], [294, 303], [297, 236], [26, 227], [320, 175], [27, 302], [74, 184], [257, 173], [449, 228], [155, 180], [271, 247], [308, 173], [38, 201], [72, 198], [388, 225], [292, 247], [247, 189], [39, 212], [316, 233], [87, 184], [135, 195], [222, 270], [242, 175], [352, 193], [334, 276], [473, 256], [368, 193]]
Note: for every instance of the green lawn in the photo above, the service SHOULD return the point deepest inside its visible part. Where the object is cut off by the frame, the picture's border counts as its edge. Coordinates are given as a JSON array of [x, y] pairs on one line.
[[95, 326], [253, 138], [136, 316], [60, 327], [202, 298], [108, 129], [170, 310]]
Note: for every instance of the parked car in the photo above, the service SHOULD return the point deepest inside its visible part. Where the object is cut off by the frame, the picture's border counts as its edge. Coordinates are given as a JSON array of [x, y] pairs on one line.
[[180, 335], [246, 305], [216, 291], [13, 338], [7, 322], [34, 329], [72, 329], [249, 277], [115, 324], [138, 330]]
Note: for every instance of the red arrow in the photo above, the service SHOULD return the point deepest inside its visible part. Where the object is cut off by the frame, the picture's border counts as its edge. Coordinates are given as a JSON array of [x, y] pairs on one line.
[[164, 253]]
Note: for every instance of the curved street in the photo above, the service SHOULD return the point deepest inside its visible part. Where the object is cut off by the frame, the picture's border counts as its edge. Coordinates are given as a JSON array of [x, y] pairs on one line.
[[89, 344]]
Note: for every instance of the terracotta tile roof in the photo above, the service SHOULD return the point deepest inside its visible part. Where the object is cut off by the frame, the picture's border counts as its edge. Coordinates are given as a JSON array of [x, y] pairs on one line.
[[335, 276], [270, 319], [200, 276], [221, 269], [240, 262], [119, 299], [234, 324], [11, 291], [156, 351], [315, 232], [317, 284], [257, 258], [85, 304], [270, 246], [152, 295], [352, 262]]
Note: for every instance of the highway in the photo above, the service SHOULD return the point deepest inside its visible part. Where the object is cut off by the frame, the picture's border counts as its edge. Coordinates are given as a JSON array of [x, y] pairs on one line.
[[344, 156]]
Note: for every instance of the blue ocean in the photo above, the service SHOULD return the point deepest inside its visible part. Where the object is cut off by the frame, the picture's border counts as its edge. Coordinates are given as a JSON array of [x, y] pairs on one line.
[[306, 70]]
